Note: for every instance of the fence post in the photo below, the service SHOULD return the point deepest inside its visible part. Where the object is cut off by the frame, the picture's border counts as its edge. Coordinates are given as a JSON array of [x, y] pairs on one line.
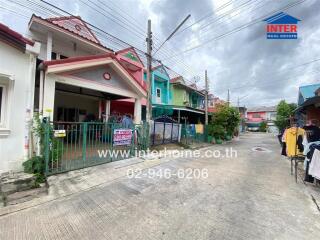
[[164, 131], [205, 129], [186, 133], [111, 141], [132, 140], [84, 142], [46, 146], [171, 130], [154, 130]]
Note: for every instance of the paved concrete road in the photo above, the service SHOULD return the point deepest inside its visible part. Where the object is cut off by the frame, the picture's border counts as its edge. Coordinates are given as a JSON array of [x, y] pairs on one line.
[[252, 196]]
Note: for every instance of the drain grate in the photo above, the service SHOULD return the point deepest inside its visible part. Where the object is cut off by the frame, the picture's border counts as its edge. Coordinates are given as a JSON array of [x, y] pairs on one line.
[[260, 149]]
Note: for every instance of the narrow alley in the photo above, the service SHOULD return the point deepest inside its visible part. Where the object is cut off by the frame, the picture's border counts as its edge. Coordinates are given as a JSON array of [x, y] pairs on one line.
[[251, 196]]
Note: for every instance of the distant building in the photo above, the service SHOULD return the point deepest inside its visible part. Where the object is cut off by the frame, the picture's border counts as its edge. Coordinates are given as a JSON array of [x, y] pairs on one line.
[[257, 115], [308, 103]]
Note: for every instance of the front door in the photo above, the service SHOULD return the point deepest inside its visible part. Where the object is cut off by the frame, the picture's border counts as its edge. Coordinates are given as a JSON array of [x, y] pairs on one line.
[[158, 95]]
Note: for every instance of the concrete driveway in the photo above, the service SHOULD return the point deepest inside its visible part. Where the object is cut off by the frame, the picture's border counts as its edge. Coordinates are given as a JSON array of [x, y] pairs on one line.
[[251, 196]]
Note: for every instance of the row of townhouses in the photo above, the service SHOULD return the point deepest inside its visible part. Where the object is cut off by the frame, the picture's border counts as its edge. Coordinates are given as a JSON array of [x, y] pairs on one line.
[[64, 72]]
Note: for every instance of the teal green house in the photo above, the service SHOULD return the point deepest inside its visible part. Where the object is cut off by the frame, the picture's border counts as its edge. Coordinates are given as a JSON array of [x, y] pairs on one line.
[[187, 101], [174, 98], [160, 81]]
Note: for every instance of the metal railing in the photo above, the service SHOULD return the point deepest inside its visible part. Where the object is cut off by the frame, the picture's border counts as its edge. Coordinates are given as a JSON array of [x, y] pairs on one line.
[[75, 145]]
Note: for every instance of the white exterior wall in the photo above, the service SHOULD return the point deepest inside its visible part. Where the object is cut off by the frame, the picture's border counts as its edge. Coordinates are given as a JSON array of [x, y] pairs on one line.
[[59, 46], [19, 106]]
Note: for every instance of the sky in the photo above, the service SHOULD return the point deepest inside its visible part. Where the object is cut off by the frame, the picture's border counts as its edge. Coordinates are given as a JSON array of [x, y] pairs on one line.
[[227, 38]]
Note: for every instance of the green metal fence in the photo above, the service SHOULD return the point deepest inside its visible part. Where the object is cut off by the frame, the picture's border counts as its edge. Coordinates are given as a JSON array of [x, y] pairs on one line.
[[189, 134], [70, 145]]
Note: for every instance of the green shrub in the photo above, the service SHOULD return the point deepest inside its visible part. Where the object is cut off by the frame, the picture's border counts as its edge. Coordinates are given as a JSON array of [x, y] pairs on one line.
[[263, 127], [35, 165], [224, 122], [217, 131]]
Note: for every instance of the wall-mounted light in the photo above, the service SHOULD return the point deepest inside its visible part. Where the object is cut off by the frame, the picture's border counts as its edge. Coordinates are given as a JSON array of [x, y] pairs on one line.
[[107, 76]]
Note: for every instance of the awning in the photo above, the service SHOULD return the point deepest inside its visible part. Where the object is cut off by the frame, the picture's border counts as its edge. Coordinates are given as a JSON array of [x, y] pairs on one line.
[[172, 107], [314, 101], [188, 110]]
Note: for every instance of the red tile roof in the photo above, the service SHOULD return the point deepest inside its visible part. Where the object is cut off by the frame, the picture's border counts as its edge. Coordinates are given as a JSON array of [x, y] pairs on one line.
[[77, 59], [175, 79], [130, 48], [15, 35], [74, 25]]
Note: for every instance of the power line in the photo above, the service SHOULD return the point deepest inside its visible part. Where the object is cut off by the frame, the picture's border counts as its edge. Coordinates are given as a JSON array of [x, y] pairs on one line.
[[206, 16], [220, 23], [284, 70], [110, 37], [237, 29]]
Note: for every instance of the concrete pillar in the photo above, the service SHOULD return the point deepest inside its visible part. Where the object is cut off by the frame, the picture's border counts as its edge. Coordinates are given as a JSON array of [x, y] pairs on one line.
[[48, 101], [49, 46], [41, 88], [168, 92], [107, 110], [100, 109], [137, 111]]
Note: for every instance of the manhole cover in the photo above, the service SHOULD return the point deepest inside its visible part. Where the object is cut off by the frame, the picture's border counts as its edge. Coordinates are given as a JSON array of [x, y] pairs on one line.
[[260, 149]]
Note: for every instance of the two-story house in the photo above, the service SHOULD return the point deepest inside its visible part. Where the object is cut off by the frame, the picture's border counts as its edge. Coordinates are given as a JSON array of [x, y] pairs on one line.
[[78, 76], [160, 82], [130, 59], [17, 74], [257, 115], [187, 101]]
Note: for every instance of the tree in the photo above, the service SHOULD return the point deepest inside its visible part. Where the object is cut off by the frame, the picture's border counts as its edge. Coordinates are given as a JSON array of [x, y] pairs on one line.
[[224, 122], [284, 112]]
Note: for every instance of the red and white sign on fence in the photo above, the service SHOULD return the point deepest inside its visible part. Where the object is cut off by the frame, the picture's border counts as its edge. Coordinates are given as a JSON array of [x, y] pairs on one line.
[[122, 137]]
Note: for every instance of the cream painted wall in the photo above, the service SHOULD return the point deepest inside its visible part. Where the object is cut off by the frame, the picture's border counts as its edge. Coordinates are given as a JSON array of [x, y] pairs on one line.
[[64, 47], [22, 67], [69, 100]]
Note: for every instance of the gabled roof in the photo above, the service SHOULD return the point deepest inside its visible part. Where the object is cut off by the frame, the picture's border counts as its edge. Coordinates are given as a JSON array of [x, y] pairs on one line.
[[85, 59], [133, 51], [14, 38], [180, 81], [281, 18], [160, 68], [263, 109], [177, 79], [76, 25], [72, 24]]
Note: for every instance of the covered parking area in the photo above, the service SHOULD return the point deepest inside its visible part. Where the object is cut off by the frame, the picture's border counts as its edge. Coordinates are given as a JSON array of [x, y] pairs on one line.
[[76, 88], [75, 98]]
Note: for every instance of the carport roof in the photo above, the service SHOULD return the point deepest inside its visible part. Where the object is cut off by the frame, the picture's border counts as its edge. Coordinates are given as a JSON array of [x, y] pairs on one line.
[[91, 58]]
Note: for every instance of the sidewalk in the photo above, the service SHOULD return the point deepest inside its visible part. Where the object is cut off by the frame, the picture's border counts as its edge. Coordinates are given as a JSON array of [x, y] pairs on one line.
[[66, 184]]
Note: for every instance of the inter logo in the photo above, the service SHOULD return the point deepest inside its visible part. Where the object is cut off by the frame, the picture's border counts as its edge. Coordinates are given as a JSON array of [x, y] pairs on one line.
[[282, 26]]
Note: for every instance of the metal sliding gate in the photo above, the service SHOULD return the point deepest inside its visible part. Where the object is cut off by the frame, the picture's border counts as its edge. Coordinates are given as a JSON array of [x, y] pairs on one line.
[[190, 135], [163, 132], [70, 145]]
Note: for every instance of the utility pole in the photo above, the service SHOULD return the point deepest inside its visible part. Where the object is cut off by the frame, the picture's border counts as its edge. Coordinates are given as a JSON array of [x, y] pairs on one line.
[[206, 98], [238, 104], [149, 59], [228, 97]]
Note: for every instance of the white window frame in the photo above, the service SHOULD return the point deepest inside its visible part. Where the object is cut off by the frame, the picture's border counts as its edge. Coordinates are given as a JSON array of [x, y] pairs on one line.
[[158, 99], [184, 96], [3, 105], [6, 82]]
